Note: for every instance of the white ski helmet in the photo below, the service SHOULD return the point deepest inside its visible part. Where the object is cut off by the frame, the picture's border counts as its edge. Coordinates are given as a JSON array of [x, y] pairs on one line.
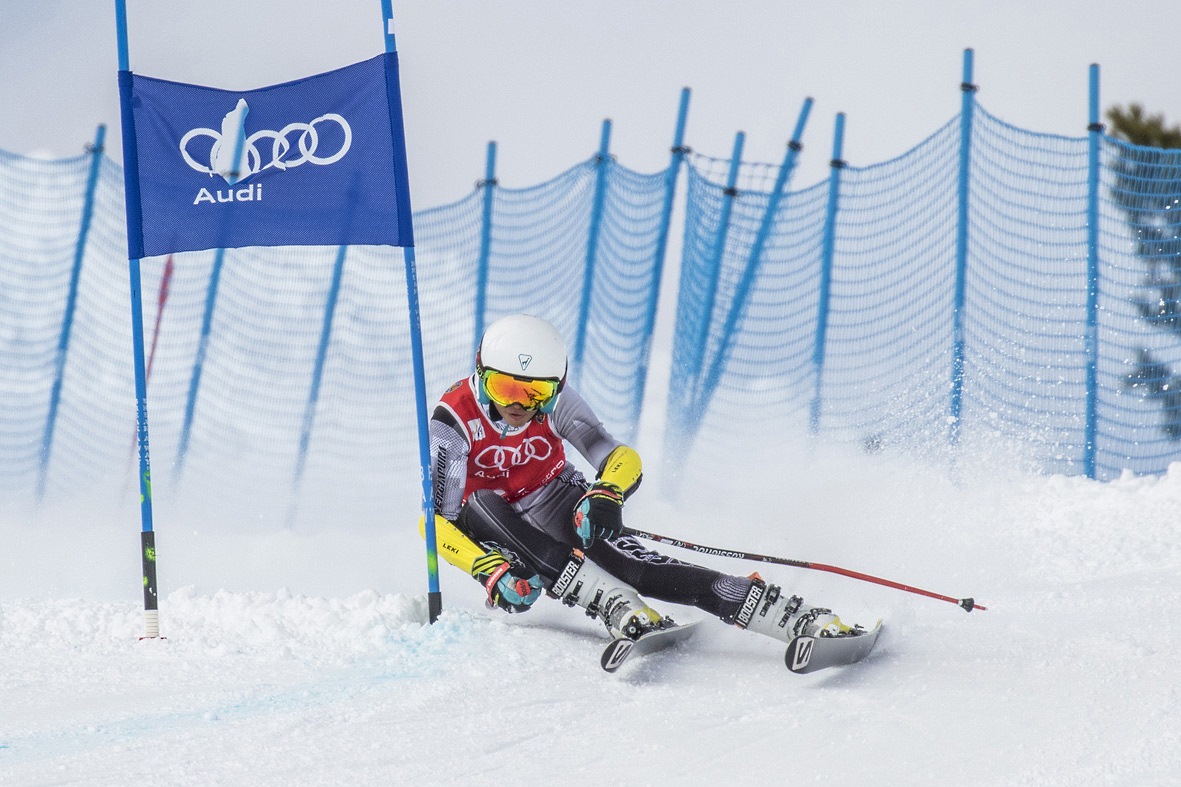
[[525, 347]]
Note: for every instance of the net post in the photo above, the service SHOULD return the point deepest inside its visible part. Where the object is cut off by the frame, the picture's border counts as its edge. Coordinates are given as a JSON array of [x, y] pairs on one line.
[[63, 344], [488, 184], [602, 166], [182, 445], [717, 254], [309, 413], [677, 157], [1094, 142], [682, 396], [754, 260], [956, 404], [182, 449], [827, 251]]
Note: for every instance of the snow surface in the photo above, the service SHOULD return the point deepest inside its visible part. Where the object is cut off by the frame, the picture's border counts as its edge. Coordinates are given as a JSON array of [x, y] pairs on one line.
[[303, 658]]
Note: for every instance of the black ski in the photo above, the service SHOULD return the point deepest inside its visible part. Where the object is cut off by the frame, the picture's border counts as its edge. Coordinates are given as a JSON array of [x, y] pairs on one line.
[[620, 650], [809, 654]]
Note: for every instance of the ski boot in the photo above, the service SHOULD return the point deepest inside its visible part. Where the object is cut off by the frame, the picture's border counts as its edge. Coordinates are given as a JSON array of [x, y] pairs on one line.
[[767, 610], [623, 612]]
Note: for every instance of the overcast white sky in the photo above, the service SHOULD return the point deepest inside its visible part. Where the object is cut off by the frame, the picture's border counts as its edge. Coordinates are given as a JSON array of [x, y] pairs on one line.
[[539, 76]]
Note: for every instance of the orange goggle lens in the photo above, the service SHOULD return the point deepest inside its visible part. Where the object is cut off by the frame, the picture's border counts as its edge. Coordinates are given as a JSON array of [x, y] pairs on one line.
[[504, 389]]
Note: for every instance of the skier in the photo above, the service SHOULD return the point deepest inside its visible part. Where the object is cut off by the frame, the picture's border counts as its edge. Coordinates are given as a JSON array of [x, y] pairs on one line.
[[522, 520]]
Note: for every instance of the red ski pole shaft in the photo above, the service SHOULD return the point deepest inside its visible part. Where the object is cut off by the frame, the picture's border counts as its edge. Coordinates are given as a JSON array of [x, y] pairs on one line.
[[967, 604], [161, 299]]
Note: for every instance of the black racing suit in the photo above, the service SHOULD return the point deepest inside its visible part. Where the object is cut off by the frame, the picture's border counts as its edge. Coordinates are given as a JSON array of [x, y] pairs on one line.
[[539, 529]]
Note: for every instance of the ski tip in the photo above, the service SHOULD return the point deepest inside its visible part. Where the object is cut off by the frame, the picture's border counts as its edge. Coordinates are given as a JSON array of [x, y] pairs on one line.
[[616, 653]]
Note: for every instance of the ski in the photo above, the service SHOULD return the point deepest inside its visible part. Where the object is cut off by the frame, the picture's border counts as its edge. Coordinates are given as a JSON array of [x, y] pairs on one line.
[[620, 650], [809, 654]]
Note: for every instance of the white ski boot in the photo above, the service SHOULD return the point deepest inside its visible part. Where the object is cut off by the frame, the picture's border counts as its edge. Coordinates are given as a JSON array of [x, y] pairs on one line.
[[767, 610], [621, 609]]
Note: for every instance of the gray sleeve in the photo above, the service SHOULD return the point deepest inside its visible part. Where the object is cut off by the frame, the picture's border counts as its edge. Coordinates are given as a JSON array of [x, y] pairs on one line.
[[576, 422], [449, 450]]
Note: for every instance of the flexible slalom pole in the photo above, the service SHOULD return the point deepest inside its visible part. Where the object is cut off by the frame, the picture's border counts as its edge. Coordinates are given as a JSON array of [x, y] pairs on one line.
[[967, 604], [434, 594], [161, 300], [131, 192]]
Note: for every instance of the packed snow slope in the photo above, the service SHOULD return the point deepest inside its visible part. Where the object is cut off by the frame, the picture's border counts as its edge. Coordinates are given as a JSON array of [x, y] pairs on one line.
[[303, 657]]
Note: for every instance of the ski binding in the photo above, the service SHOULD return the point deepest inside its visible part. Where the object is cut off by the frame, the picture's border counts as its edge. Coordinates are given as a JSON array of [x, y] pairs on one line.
[[809, 654], [619, 650]]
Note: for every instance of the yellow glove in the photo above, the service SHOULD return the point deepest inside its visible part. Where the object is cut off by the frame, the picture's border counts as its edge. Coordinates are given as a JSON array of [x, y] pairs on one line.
[[599, 513]]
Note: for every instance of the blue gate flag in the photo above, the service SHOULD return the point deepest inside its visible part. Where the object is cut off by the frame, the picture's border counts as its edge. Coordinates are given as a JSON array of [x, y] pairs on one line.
[[320, 161]]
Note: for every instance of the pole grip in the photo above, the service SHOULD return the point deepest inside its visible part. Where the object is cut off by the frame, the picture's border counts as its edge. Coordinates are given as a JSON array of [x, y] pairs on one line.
[[147, 552]]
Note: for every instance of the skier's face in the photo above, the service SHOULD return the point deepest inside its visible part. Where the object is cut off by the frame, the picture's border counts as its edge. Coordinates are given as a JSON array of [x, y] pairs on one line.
[[515, 415]]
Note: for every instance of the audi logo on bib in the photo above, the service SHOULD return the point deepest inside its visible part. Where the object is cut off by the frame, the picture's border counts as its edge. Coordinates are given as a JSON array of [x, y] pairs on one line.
[[502, 457]]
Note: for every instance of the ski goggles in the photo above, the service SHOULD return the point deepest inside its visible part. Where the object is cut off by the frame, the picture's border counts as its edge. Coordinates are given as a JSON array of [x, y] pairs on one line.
[[504, 389]]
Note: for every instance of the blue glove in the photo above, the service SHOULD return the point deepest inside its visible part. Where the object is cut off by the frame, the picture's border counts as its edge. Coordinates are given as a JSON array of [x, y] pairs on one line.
[[599, 513], [510, 585]]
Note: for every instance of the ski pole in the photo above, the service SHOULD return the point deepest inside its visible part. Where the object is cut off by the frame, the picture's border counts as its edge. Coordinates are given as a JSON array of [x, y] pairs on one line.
[[967, 604]]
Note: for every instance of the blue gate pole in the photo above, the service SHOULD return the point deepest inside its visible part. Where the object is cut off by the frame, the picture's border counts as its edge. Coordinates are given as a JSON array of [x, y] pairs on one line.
[[602, 164], [309, 413], [670, 190], [827, 252], [481, 305], [1094, 140], [434, 595], [131, 190], [63, 344], [961, 251], [754, 261]]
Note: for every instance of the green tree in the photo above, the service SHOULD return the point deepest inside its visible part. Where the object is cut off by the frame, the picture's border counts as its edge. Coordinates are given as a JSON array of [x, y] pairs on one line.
[[1148, 188], [1149, 131]]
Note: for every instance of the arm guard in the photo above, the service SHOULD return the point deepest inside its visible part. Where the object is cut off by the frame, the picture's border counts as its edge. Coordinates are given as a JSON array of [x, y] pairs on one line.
[[622, 469], [453, 546]]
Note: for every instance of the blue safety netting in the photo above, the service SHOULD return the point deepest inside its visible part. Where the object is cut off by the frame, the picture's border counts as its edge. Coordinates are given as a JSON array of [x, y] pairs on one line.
[[870, 349], [263, 393], [844, 324], [39, 224]]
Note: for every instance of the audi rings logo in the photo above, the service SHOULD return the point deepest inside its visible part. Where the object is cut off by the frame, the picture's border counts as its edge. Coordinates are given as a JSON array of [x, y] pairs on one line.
[[293, 145], [502, 457]]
